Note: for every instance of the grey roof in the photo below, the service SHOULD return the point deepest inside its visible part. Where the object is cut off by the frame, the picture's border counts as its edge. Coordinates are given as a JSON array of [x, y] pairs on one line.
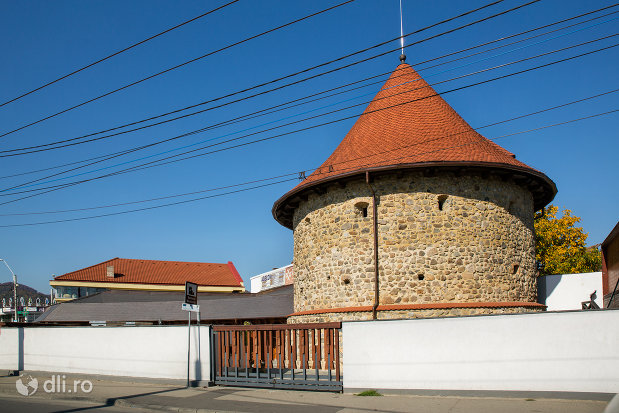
[[119, 306]]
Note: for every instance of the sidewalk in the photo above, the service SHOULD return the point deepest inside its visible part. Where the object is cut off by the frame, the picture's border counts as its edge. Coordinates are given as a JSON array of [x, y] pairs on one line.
[[162, 397]]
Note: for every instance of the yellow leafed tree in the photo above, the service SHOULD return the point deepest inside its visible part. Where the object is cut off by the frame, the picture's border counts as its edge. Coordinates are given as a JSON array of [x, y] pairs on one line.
[[561, 246]]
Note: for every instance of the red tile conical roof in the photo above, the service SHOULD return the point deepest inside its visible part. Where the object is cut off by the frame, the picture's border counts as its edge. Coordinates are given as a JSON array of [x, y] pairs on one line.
[[409, 125]]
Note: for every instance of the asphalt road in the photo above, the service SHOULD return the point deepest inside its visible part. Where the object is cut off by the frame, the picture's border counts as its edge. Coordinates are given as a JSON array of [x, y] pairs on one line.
[[26, 405]]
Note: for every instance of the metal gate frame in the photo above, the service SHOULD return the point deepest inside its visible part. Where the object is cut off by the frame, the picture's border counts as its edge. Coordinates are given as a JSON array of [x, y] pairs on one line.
[[285, 356]]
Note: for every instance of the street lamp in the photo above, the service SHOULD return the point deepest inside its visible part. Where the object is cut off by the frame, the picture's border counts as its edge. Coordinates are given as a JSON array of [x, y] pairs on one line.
[[14, 289]]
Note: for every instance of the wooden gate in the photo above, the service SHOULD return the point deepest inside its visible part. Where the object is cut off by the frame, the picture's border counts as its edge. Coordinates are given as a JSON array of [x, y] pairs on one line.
[[287, 356]]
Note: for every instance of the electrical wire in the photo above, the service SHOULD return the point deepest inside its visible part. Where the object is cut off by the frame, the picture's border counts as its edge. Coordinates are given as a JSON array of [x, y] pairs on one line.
[[259, 85], [298, 121], [160, 163], [286, 180], [174, 68], [117, 53], [287, 76], [154, 207], [309, 170], [551, 24], [329, 90], [46, 147]]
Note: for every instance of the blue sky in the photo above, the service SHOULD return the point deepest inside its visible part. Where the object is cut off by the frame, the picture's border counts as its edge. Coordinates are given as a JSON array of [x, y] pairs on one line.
[[45, 40]]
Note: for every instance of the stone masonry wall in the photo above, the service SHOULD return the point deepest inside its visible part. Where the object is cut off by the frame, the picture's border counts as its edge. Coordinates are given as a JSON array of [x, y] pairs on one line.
[[442, 238]]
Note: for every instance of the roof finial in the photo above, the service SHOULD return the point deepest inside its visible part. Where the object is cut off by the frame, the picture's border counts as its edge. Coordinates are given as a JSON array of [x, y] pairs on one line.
[[402, 56]]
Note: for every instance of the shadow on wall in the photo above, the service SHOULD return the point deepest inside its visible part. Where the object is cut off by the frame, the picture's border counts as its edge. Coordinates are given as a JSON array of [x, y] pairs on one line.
[[198, 362], [545, 286]]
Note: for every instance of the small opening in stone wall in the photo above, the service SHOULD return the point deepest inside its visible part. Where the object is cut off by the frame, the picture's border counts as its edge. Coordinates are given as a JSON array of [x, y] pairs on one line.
[[362, 209], [420, 277], [510, 207], [307, 220], [346, 281], [515, 268], [441, 201]]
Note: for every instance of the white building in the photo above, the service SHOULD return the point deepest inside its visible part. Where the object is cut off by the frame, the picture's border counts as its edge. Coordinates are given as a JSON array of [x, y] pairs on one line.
[[271, 279]]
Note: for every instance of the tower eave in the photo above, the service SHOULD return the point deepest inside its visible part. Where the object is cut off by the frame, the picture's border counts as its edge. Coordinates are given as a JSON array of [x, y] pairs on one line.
[[542, 187]]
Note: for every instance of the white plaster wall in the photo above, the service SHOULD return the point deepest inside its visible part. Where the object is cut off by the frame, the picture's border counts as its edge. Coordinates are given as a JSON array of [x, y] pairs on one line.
[[9, 345], [568, 291], [570, 351], [154, 352], [256, 284]]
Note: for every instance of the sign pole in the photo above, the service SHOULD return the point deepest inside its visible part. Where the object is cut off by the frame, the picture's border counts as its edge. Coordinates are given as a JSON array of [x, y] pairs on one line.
[[190, 305], [188, 346]]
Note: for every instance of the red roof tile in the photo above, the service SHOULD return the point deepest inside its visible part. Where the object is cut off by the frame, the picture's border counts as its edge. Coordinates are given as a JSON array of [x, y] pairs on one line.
[[158, 272], [409, 124]]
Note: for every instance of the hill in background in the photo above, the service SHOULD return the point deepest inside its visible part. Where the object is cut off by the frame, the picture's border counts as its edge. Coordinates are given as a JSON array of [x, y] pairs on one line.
[[6, 292]]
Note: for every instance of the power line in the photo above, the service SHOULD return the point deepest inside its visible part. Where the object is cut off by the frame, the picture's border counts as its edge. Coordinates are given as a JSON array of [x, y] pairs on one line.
[[117, 53], [153, 199], [153, 207], [291, 179], [238, 118], [219, 106], [290, 75], [265, 83], [295, 173], [467, 144], [45, 147], [528, 38], [298, 121], [160, 163], [175, 67]]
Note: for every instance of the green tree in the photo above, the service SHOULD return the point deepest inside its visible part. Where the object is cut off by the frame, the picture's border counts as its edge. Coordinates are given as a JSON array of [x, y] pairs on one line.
[[561, 246]]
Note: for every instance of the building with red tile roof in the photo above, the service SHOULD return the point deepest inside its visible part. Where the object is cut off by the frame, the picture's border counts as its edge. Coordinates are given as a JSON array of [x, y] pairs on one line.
[[414, 208], [149, 275]]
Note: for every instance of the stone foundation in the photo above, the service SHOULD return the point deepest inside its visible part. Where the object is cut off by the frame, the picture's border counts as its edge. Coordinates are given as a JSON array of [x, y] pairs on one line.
[[407, 314]]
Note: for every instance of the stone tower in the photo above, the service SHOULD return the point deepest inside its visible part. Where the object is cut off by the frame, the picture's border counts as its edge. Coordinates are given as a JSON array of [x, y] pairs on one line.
[[414, 214]]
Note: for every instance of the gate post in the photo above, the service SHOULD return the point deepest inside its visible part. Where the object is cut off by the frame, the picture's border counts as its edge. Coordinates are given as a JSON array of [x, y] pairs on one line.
[[212, 350]]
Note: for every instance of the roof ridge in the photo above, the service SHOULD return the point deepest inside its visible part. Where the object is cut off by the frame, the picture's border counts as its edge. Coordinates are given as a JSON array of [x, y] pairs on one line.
[[170, 261], [85, 268]]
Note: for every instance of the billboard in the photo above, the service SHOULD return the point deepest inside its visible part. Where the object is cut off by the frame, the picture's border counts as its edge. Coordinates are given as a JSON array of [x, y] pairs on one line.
[[277, 278]]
